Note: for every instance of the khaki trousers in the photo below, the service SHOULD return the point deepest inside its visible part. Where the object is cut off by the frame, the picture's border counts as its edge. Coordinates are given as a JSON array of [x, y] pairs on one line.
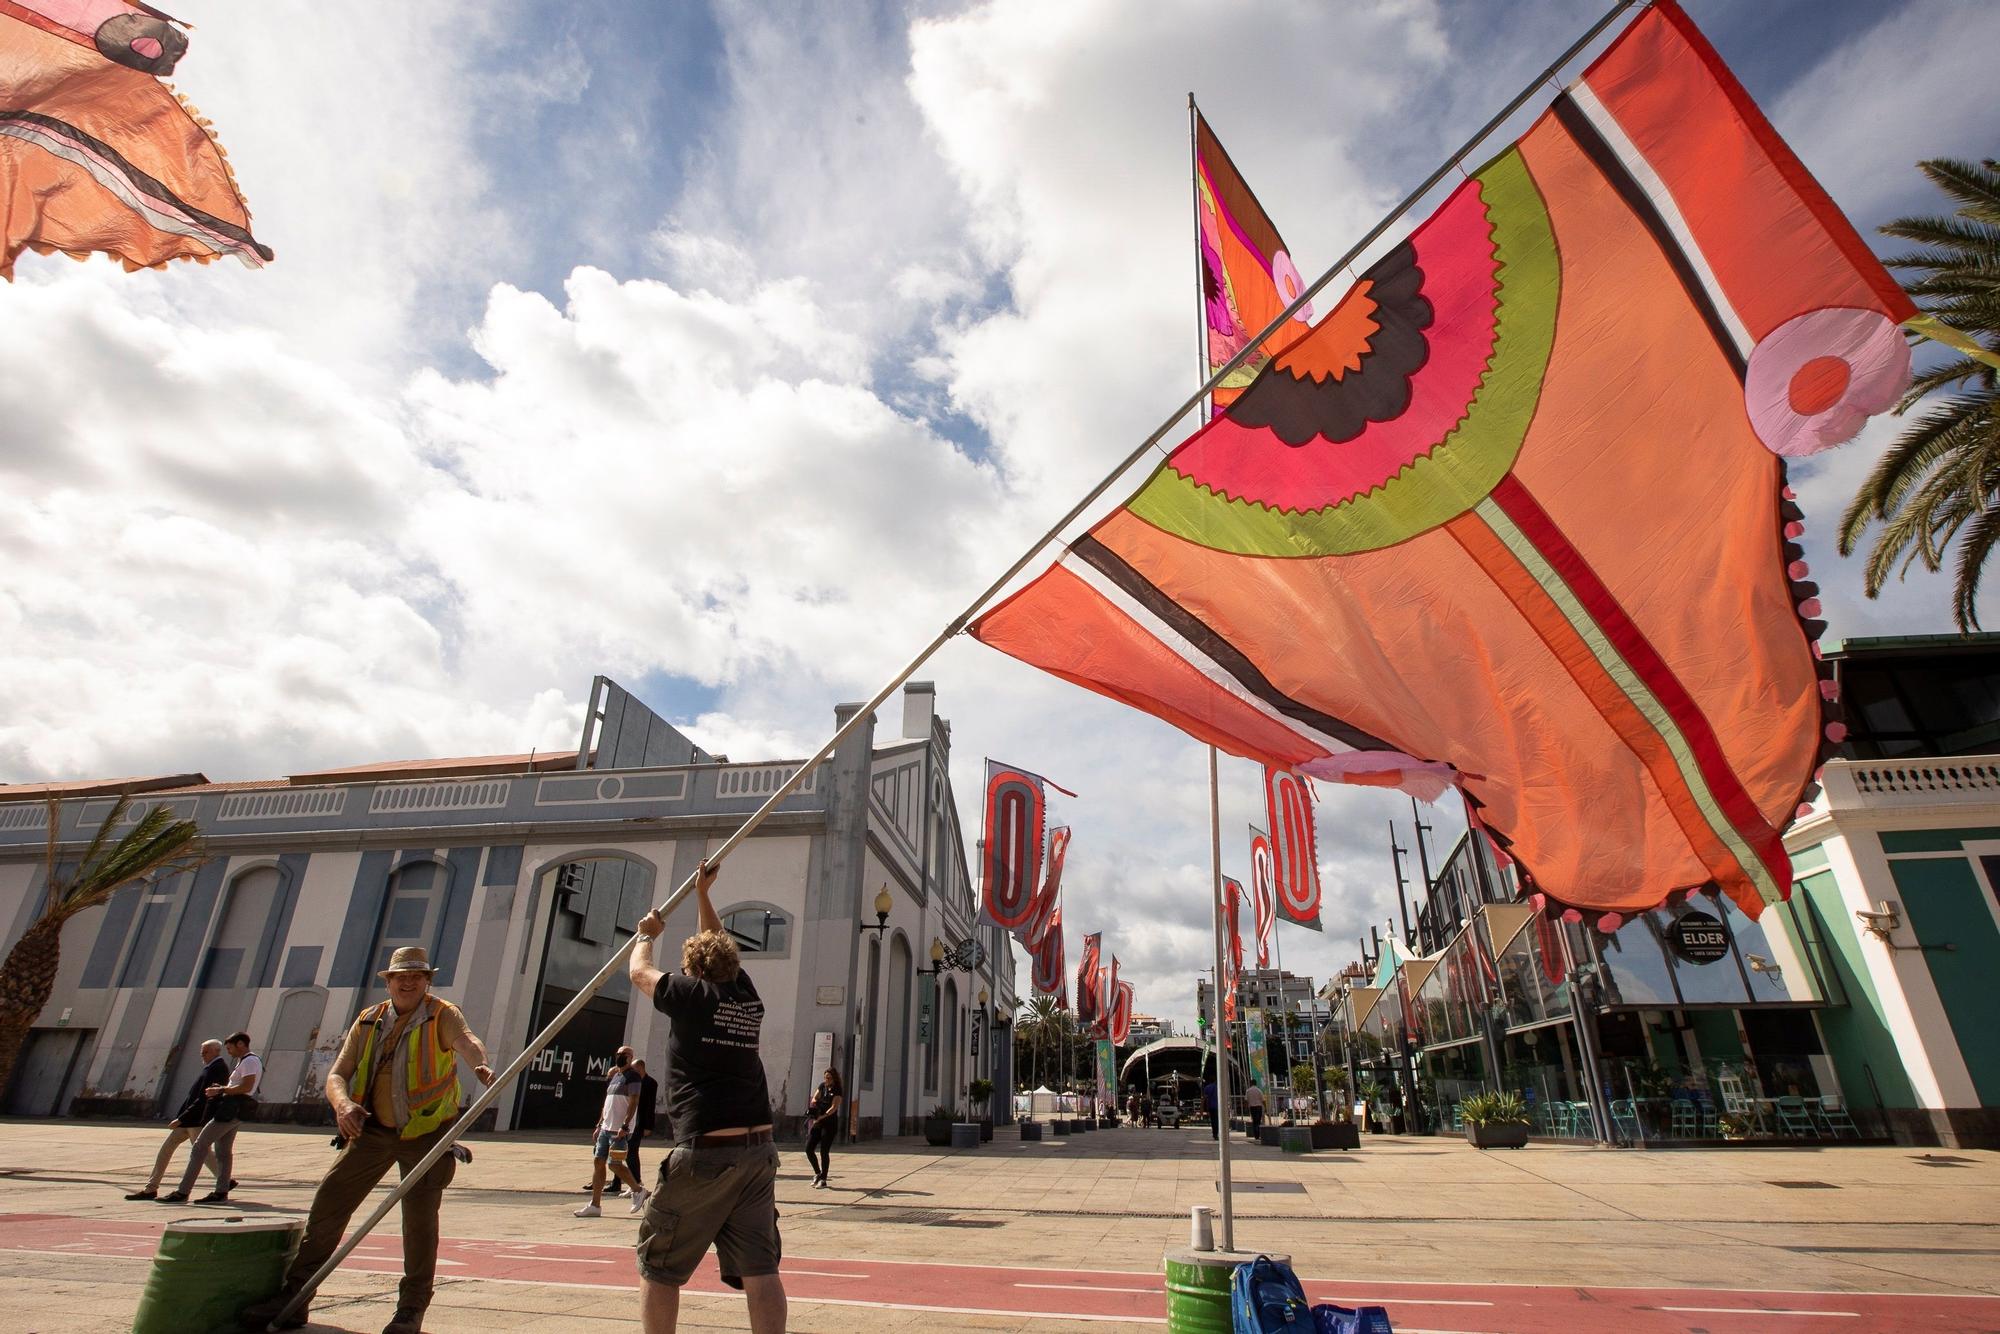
[[346, 1184], [176, 1137]]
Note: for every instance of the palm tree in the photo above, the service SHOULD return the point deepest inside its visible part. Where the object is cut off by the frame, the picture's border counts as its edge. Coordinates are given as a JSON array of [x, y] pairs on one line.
[[1043, 1026], [1940, 481], [158, 845]]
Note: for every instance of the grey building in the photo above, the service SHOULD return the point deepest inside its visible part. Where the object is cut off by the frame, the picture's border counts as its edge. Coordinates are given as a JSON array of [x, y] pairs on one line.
[[521, 874]]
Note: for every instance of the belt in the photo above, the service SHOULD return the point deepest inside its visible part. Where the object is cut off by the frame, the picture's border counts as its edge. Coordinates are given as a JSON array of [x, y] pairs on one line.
[[731, 1141]]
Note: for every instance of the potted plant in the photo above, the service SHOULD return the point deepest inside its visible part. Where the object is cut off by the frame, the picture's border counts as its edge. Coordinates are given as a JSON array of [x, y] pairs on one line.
[[1733, 1125], [937, 1126], [981, 1091], [1495, 1120]]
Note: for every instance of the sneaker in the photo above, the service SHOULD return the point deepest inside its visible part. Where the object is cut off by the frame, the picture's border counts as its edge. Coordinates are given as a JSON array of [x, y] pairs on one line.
[[173, 1197], [639, 1198], [147, 1194], [588, 1211]]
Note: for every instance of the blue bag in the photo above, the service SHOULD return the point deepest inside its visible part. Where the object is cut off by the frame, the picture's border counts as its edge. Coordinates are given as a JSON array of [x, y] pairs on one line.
[[1331, 1319], [1265, 1298]]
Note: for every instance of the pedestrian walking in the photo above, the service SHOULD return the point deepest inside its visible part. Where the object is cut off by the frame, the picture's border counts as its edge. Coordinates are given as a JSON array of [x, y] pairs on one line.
[[1208, 1102], [823, 1114], [611, 1140], [394, 1091], [228, 1104], [613, 1184], [717, 1186], [642, 1128], [191, 1117], [1253, 1101]]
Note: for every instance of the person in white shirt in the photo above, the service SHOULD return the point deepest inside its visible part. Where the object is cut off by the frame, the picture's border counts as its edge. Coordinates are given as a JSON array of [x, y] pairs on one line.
[[612, 1136], [1253, 1099], [231, 1102]]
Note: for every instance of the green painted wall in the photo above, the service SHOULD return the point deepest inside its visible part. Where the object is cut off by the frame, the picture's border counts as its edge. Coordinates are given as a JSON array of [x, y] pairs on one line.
[[1944, 903], [1933, 840], [1856, 1034], [1715, 1033]]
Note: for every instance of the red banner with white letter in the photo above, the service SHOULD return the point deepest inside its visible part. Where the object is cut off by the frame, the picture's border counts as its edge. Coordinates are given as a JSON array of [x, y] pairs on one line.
[[1294, 853]]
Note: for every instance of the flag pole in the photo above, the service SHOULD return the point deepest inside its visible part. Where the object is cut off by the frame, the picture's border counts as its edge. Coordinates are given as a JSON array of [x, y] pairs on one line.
[[1215, 998], [951, 630]]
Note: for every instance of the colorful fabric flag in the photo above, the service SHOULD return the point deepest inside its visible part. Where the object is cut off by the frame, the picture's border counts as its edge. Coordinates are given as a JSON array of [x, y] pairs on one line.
[[1050, 977], [1294, 850], [1089, 1001], [1010, 862], [1107, 993], [97, 155], [1263, 895], [1121, 1014], [1247, 276], [1516, 512], [1232, 928], [1048, 899]]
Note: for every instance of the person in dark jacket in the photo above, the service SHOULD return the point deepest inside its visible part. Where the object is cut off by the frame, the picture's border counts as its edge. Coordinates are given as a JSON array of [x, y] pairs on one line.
[[649, 1094], [193, 1114]]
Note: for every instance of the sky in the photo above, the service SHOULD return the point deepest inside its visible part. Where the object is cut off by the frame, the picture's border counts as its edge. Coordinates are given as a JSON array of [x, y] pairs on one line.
[[729, 350]]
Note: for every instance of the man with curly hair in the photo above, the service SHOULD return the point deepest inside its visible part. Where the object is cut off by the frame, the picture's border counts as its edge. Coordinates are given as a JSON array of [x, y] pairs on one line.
[[717, 1185]]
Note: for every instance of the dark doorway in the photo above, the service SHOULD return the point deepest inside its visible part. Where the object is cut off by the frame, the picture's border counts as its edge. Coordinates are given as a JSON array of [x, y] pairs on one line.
[[563, 1088]]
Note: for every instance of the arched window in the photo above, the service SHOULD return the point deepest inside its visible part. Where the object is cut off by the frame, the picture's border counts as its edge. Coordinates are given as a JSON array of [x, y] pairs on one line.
[[412, 910], [758, 928]]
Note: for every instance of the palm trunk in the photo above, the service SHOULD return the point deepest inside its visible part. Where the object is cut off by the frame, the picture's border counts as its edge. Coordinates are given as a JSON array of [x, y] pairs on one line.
[[27, 980]]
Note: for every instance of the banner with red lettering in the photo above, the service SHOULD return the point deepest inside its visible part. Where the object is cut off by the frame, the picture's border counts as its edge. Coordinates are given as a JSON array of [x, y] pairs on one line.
[[1264, 910], [1049, 979]]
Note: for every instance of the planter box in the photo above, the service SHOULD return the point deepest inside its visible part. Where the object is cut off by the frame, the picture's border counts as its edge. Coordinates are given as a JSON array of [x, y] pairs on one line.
[[1269, 1137], [1508, 1135], [1335, 1135], [1295, 1139], [965, 1134], [937, 1133], [985, 1132], [1060, 1126], [1031, 1130]]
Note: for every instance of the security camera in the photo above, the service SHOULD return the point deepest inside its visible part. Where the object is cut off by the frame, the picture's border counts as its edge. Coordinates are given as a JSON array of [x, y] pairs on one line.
[[1879, 923]]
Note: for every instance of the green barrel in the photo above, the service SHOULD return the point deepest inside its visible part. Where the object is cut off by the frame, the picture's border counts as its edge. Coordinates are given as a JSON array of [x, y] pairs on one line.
[[1198, 1288], [208, 1270]]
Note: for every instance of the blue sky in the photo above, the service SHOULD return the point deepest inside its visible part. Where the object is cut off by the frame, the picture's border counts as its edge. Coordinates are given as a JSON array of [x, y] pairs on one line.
[[726, 350]]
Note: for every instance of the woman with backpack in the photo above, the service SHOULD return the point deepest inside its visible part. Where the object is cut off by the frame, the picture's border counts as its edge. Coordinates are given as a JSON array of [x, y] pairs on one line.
[[823, 1124]]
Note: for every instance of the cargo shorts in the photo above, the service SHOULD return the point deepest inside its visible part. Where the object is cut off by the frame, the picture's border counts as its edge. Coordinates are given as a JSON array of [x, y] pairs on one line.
[[725, 1197]]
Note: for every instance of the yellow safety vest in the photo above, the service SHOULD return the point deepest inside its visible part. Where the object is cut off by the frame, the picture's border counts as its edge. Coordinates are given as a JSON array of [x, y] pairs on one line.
[[427, 1096]]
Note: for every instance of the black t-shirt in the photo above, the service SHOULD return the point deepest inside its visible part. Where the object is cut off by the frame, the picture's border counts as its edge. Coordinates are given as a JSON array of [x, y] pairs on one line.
[[715, 1078]]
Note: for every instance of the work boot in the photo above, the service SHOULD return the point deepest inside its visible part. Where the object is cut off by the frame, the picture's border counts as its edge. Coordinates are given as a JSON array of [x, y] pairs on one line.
[[258, 1317], [408, 1320]]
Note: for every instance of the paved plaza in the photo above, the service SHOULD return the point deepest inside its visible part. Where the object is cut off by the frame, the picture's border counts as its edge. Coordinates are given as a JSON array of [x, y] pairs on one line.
[[1068, 1234]]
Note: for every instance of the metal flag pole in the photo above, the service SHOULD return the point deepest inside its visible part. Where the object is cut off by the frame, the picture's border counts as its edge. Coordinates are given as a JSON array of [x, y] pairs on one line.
[[1215, 999], [492, 1091]]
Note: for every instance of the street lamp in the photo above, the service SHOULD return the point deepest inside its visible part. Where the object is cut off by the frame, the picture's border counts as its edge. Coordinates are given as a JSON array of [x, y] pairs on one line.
[[882, 905]]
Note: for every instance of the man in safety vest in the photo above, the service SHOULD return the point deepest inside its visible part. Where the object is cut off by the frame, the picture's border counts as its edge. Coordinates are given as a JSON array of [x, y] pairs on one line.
[[394, 1090]]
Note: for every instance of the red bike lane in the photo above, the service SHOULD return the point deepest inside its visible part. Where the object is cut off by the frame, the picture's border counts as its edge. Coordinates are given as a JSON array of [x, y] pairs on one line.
[[1116, 1295]]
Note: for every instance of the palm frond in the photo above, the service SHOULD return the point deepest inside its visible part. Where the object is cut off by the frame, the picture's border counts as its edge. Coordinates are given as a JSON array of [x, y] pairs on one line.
[[1952, 234], [1976, 186], [160, 843], [1980, 539]]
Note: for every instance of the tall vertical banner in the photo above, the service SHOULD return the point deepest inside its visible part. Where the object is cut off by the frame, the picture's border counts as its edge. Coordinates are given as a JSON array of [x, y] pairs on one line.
[[1089, 1006], [1232, 894], [1121, 1013], [926, 997], [1247, 277], [1264, 910], [1107, 997], [1048, 899], [1047, 955], [1294, 850], [1107, 1070], [1010, 861], [1257, 1049]]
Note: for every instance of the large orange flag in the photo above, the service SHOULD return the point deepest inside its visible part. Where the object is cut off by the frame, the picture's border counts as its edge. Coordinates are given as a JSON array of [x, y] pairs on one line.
[[96, 154], [1515, 510]]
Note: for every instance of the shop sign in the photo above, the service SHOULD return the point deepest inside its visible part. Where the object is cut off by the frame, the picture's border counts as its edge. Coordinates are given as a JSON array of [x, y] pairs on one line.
[[1699, 938], [926, 991]]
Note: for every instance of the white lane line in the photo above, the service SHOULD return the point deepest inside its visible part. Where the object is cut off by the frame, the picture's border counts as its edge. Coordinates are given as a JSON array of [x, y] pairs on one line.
[[1756, 1310], [730, 1295], [1416, 1301], [1086, 1287], [821, 1273]]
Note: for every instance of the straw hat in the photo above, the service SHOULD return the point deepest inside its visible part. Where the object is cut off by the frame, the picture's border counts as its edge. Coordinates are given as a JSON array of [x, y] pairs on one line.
[[409, 959]]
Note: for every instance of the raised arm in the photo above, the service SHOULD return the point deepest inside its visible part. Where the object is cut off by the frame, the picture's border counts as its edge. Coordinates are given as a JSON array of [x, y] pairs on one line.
[[641, 969], [473, 1052]]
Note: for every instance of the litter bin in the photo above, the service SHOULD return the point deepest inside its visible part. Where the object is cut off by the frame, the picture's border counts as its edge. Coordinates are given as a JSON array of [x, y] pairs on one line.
[[1198, 1288], [208, 1270]]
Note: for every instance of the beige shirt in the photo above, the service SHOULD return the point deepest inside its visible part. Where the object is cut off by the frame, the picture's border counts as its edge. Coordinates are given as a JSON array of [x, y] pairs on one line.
[[380, 1097]]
